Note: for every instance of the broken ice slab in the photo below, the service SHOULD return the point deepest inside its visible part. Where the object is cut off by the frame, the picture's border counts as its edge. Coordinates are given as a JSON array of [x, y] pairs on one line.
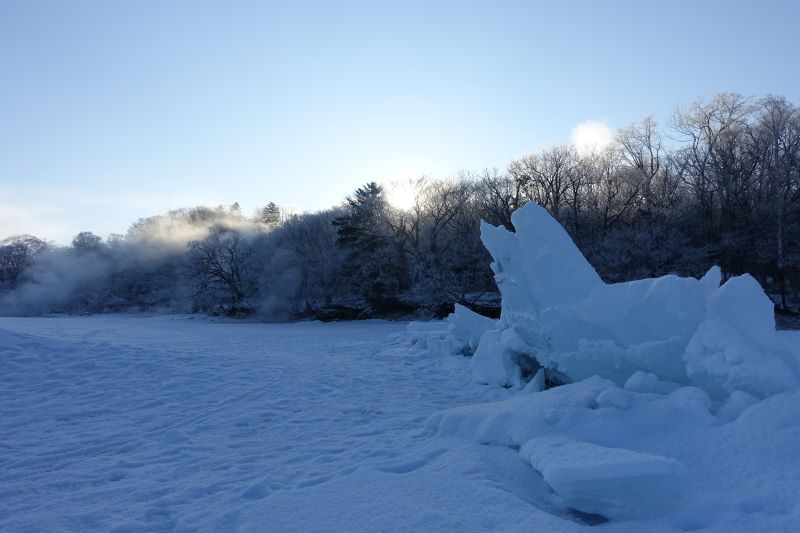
[[612, 482]]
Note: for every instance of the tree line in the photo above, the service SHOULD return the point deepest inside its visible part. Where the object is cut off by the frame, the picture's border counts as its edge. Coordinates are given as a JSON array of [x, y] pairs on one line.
[[718, 184]]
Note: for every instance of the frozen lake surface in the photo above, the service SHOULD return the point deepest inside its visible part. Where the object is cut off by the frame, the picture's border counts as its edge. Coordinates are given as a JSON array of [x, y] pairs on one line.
[[171, 423], [174, 423]]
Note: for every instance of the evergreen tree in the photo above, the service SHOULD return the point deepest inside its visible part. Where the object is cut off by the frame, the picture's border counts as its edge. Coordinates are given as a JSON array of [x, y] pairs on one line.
[[375, 268], [270, 214]]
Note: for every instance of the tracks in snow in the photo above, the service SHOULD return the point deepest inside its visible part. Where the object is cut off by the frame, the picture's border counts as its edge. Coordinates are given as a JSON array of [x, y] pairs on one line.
[[156, 423]]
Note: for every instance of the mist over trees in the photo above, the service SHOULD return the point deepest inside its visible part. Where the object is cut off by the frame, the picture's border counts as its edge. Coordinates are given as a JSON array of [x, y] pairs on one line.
[[718, 184]]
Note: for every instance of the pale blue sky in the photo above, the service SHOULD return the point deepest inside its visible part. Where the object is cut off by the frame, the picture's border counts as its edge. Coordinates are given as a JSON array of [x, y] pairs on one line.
[[113, 110]]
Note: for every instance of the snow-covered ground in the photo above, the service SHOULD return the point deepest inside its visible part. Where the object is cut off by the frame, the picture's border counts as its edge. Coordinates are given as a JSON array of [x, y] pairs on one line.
[[168, 423], [171, 423]]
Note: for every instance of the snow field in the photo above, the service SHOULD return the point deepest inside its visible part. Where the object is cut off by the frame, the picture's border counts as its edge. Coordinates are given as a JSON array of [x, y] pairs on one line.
[[171, 424]]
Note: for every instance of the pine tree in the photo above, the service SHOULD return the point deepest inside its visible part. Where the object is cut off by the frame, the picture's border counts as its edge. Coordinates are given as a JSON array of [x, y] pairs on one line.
[[270, 214], [375, 264]]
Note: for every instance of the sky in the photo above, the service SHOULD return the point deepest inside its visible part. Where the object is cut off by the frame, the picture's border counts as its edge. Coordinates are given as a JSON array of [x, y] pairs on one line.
[[111, 110]]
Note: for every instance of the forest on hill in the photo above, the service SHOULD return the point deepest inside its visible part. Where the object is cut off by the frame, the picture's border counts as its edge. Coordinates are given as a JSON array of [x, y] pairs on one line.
[[719, 184]]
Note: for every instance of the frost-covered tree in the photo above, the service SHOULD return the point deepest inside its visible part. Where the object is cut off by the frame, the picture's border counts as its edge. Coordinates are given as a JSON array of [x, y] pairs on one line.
[[270, 214], [223, 272], [300, 265], [776, 136], [16, 253], [719, 185], [500, 195], [86, 241], [375, 267]]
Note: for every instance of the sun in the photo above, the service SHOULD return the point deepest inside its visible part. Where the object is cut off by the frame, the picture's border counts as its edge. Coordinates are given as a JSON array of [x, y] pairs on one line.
[[401, 195]]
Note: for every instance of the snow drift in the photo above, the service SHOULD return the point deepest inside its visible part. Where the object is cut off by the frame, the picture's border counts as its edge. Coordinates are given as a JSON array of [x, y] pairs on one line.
[[557, 314]]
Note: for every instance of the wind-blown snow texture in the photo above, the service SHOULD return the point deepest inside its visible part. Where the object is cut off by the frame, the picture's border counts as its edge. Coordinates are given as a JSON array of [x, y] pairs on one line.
[[165, 423]]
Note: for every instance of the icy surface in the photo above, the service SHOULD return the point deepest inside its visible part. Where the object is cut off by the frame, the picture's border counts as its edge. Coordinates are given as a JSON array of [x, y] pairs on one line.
[[535, 281], [678, 405], [614, 482], [737, 348], [466, 327], [650, 462], [557, 313]]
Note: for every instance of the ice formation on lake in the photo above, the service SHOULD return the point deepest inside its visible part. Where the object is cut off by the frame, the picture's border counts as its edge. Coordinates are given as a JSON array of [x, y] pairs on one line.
[[558, 314], [668, 384]]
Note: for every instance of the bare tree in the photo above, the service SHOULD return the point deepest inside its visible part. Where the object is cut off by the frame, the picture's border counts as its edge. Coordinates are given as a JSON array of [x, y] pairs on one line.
[[719, 169], [777, 143], [501, 195], [641, 147], [222, 269]]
